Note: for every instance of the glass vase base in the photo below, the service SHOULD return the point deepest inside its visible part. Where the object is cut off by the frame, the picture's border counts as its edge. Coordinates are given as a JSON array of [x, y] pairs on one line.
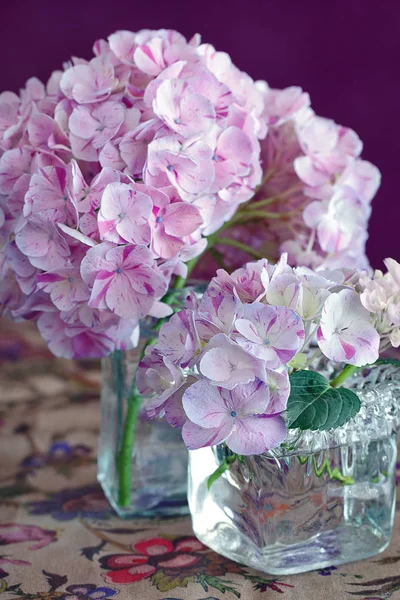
[[339, 546], [146, 505]]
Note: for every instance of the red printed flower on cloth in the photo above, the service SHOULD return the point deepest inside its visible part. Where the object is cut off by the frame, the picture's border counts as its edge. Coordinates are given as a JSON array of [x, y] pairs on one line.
[[184, 556]]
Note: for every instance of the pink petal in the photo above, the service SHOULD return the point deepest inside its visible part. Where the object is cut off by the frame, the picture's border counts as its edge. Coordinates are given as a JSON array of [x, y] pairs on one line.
[[204, 406], [181, 219], [256, 435], [196, 437]]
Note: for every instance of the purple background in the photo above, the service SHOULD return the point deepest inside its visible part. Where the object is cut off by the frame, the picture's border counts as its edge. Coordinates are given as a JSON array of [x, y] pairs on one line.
[[345, 53]]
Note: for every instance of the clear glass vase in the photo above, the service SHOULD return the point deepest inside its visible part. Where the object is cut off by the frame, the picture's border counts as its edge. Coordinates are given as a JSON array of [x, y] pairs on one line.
[[158, 460], [324, 499]]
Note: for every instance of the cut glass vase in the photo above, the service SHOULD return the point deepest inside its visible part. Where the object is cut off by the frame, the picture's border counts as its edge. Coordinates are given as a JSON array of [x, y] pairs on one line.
[[325, 498]]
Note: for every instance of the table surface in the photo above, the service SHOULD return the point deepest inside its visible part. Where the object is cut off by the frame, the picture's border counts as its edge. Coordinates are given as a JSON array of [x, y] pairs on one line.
[[59, 537]]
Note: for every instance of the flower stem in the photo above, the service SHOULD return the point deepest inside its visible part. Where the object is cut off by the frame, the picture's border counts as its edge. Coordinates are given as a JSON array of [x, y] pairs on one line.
[[244, 247], [348, 371], [224, 466], [272, 199], [217, 256], [125, 457], [334, 473], [180, 282]]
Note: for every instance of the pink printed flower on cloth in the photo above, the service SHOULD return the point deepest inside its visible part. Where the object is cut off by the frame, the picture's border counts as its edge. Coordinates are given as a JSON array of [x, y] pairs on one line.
[[14, 533], [125, 279], [124, 214], [346, 333], [154, 555], [272, 333], [239, 417]]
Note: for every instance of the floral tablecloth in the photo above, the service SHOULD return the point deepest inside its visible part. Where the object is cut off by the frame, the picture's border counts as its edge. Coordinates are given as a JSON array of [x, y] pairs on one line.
[[60, 539]]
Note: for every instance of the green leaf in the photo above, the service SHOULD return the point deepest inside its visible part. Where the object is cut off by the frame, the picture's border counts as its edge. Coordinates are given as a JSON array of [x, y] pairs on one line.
[[314, 404]]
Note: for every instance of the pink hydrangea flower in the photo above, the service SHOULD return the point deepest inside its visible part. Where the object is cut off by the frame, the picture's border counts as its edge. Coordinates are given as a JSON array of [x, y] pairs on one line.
[[14, 164], [281, 105], [273, 333], [124, 215], [172, 222], [346, 333], [91, 129], [337, 220], [217, 313], [48, 194], [41, 241], [190, 172], [227, 364], [178, 123], [91, 82], [327, 148], [124, 279], [160, 378], [73, 341], [178, 340], [182, 109], [65, 287], [239, 417]]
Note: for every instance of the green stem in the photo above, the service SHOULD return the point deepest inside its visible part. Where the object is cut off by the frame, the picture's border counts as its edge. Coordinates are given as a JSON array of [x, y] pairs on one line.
[[118, 370], [348, 371], [334, 473], [255, 215], [244, 247], [125, 457], [224, 466], [217, 256], [272, 199], [180, 282]]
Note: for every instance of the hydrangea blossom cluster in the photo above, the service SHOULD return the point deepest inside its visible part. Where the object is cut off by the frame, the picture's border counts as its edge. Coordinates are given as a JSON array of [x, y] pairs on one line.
[[110, 177], [381, 296], [316, 192], [220, 367]]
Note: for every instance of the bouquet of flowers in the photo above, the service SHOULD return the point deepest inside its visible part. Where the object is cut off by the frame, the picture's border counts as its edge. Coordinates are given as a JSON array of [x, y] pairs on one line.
[[122, 171], [226, 368]]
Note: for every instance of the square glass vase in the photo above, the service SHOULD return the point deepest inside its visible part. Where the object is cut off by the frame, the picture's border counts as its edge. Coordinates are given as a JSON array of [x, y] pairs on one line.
[[159, 459], [324, 499]]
